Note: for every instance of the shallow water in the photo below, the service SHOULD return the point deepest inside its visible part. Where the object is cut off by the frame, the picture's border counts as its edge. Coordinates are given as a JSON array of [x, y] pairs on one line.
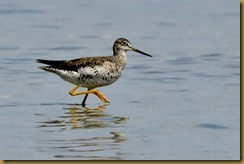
[[184, 103]]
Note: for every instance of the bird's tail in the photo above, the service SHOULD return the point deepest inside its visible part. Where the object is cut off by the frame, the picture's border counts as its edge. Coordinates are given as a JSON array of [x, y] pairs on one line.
[[53, 67], [49, 68], [49, 62]]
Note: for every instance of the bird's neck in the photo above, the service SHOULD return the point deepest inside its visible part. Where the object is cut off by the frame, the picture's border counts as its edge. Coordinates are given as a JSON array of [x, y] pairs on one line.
[[121, 59]]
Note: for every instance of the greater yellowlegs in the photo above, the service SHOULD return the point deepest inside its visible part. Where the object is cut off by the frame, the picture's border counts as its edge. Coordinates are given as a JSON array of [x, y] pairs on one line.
[[92, 72]]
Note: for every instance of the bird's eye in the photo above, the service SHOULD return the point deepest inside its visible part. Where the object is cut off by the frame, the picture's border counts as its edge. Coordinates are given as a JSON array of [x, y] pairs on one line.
[[123, 43]]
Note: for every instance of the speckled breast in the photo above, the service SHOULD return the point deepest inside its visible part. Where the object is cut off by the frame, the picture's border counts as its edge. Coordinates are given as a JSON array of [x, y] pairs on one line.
[[98, 76]]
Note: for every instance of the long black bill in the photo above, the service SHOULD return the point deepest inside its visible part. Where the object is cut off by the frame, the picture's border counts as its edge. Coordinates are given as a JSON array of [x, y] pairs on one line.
[[139, 51]]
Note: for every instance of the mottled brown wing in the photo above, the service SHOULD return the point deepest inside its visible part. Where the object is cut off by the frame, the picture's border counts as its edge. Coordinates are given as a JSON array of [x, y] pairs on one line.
[[75, 64]]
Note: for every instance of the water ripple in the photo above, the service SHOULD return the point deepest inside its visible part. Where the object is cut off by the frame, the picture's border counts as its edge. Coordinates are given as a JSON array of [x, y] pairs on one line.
[[91, 147], [9, 48], [182, 61], [211, 56], [202, 74], [20, 11], [212, 126], [66, 48]]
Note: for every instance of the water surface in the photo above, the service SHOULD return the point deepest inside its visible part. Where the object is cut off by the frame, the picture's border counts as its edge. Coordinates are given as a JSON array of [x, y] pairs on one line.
[[184, 103]]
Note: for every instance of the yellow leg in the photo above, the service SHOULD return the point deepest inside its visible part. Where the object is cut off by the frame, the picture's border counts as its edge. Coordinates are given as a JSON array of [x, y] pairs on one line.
[[100, 95], [94, 91]]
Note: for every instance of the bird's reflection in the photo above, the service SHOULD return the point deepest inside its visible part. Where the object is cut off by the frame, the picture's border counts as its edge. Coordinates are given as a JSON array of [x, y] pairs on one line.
[[87, 117], [102, 143], [76, 116]]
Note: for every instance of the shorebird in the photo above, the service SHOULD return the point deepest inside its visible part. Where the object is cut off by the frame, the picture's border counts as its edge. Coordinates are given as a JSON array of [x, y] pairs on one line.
[[92, 72]]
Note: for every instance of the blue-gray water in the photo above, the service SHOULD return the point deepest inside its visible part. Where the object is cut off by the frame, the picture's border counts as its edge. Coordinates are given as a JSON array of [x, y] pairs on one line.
[[184, 103]]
